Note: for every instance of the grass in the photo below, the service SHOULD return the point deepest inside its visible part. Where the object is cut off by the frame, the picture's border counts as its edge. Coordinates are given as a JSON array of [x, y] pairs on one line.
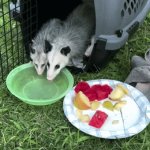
[[26, 127]]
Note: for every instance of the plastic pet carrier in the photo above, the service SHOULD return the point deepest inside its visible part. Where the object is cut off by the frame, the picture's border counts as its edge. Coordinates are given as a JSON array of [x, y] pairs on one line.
[[115, 22], [20, 20]]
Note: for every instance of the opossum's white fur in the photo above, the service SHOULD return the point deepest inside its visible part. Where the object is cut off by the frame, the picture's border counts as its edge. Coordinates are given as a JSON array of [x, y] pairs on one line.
[[38, 48], [76, 33]]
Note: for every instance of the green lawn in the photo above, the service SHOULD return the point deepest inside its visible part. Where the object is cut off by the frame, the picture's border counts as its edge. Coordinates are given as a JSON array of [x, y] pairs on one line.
[[26, 127]]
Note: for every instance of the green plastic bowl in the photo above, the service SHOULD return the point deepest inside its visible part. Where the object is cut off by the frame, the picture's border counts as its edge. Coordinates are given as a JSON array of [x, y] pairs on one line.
[[24, 83]]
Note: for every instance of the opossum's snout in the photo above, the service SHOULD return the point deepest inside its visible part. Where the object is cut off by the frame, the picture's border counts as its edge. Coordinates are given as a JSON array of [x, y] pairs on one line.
[[40, 69], [40, 72], [52, 73], [49, 77]]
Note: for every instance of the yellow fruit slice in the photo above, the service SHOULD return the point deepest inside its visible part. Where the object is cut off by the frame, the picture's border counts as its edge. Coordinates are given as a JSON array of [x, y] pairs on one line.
[[79, 113], [81, 117], [115, 121], [108, 105], [95, 105], [119, 105], [118, 92], [81, 101], [85, 118], [126, 91]]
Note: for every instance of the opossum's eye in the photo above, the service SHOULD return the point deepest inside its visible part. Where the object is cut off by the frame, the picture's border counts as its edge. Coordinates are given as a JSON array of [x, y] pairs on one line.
[[48, 65], [36, 65], [31, 59], [42, 65], [31, 49], [57, 66]]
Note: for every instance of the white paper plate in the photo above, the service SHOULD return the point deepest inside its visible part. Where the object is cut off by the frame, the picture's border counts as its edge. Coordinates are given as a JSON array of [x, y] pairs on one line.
[[133, 117]]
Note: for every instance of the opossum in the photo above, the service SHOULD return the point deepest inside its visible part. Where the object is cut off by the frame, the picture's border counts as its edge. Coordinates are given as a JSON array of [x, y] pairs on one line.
[[74, 37], [41, 44]]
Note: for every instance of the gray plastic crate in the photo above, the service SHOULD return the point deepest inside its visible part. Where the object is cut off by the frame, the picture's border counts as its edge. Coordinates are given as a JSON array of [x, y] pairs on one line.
[[117, 19]]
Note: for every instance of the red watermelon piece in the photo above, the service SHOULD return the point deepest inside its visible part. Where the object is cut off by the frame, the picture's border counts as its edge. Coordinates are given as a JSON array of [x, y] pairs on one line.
[[91, 94], [107, 88], [82, 86], [96, 87], [102, 91], [95, 92], [98, 119], [101, 95]]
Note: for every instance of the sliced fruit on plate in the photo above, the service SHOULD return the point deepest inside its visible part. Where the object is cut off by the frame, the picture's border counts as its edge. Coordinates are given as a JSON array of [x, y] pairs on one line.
[[81, 101], [95, 105], [79, 113], [85, 118], [101, 91], [126, 91], [108, 105], [82, 86], [102, 95], [94, 92], [115, 122], [98, 119], [119, 105], [118, 92], [82, 117], [107, 88], [91, 94]]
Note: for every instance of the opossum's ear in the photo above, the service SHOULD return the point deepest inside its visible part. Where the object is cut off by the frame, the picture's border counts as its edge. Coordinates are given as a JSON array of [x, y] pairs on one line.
[[65, 50], [31, 49], [48, 47]]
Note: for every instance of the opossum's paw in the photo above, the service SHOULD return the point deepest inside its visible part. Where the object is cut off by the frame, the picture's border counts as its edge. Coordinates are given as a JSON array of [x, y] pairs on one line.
[[75, 70], [88, 51], [85, 59], [90, 47]]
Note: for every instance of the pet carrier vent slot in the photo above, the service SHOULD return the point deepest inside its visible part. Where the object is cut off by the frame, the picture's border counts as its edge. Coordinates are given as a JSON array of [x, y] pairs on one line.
[[128, 1], [129, 11], [131, 6], [122, 13], [125, 5]]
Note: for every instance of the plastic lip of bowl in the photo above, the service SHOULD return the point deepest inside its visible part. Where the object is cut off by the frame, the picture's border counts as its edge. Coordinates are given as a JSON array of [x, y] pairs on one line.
[[39, 101]]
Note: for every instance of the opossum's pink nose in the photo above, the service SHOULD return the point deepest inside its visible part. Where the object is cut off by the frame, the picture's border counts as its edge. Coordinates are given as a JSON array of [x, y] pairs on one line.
[[39, 73], [50, 78]]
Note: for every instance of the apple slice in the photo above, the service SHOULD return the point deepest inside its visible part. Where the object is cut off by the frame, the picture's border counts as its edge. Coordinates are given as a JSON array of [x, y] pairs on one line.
[[108, 105], [119, 105], [82, 117], [81, 101], [118, 92], [115, 122], [95, 105], [79, 113], [85, 118]]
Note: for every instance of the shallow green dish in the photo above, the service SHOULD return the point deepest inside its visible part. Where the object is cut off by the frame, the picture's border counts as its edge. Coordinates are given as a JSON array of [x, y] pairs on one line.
[[24, 83]]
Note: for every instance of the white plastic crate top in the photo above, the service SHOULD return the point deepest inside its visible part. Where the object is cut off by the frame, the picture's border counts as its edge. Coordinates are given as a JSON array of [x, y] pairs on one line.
[[117, 19]]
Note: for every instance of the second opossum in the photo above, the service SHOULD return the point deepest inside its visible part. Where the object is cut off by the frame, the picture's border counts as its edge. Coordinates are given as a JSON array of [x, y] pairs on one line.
[[40, 44], [73, 39]]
